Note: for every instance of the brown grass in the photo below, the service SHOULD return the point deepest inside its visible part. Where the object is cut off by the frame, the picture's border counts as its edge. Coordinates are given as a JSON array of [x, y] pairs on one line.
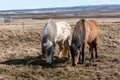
[[20, 52]]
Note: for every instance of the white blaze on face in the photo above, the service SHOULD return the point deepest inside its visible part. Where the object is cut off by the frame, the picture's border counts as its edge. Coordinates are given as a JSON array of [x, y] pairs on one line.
[[49, 57], [76, 58]]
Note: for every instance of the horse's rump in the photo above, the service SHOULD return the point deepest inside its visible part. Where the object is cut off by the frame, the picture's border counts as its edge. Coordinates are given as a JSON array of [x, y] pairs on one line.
[[92, 30], [63, 31]]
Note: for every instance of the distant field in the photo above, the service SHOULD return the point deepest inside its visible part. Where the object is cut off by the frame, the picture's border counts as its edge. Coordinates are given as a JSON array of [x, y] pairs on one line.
[[62, 15], [95, 11], [20, 50]]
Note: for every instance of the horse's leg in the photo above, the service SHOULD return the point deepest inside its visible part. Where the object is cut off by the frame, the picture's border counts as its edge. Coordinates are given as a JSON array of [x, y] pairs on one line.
[[52, 56], [95, 47], [91, 51], [66, 49], [60, 49], [80, 52], [83, 53], [69, 43]]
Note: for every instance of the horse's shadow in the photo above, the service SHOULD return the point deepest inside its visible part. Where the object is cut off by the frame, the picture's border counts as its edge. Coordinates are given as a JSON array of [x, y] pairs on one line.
[[39, 60]]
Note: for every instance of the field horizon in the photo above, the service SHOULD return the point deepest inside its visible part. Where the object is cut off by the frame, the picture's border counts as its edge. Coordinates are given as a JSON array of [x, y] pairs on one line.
[[94, 11]]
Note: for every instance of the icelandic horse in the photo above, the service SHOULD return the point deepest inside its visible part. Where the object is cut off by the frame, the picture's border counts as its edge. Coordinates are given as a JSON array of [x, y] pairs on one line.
[[55, 33], [85, 32]]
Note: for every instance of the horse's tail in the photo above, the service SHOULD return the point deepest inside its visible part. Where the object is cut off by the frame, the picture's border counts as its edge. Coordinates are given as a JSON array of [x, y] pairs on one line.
[[65, 52]]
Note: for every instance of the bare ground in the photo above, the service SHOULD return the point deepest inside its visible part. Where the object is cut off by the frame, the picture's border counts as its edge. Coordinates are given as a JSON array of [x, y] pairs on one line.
[[20, 52]]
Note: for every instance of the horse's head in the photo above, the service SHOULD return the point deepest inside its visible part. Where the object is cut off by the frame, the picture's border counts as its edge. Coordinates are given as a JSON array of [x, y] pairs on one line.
[[48, 50], [48, 39], [74, 54]]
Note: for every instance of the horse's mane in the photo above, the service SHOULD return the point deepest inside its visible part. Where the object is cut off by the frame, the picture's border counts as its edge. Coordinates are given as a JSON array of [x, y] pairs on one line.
[[79, 33], [50, 30]]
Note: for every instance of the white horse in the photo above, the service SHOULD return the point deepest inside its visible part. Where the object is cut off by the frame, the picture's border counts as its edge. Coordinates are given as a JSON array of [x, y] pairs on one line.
[[55, 33]]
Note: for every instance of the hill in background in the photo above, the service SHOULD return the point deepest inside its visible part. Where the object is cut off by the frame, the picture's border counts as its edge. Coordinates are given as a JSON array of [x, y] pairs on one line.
[[96, 11]]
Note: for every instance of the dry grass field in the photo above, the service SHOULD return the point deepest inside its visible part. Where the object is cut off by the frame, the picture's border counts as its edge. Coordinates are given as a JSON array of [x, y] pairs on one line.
[[20, 53]]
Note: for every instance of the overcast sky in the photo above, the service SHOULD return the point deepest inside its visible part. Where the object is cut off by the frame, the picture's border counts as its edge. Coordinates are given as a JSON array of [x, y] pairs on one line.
[[32, 4]]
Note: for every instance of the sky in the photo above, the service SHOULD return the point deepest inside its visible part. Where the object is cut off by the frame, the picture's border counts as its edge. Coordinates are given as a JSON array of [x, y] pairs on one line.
[[33, 4]]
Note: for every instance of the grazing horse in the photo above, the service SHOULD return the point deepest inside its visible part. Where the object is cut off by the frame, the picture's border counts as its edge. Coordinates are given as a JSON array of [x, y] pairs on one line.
[[55, 33], [85, 32]]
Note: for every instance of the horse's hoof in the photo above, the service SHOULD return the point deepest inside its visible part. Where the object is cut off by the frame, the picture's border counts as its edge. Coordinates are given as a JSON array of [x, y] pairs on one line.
[[65, 58], [73, 65], [79, 63], [49, 64], [96, 57]]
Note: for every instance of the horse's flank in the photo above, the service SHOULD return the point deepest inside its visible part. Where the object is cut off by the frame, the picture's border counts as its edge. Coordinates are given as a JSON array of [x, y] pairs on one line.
[[63, 28], [92, 30]]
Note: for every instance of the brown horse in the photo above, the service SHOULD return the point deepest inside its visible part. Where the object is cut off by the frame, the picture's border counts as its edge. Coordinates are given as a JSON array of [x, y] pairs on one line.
[[85, 32]]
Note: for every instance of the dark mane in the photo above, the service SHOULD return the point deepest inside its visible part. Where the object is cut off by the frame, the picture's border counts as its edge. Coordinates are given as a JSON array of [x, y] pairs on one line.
[[77, 33]]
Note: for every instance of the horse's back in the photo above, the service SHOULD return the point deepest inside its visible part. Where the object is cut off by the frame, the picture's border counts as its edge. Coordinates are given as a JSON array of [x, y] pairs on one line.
[[92, 30]]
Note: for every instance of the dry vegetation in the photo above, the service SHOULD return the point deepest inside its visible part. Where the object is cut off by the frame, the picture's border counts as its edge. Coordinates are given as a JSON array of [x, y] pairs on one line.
[[20, 52]]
